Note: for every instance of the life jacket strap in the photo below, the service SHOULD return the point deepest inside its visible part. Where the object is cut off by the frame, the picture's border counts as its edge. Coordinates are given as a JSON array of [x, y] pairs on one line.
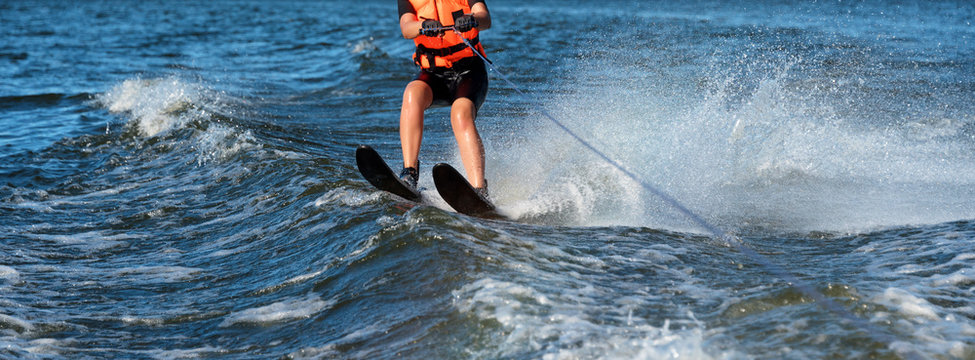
[[431, 53], [421, 49]]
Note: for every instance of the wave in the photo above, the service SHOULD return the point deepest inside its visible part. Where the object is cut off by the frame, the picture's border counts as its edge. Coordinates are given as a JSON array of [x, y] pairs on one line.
[[544, 327], [781, 149], [159, 105], [279, 311], [162, 107]]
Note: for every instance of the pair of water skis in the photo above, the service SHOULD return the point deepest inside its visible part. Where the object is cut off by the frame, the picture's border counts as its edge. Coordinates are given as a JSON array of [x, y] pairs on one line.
[[451, 185]]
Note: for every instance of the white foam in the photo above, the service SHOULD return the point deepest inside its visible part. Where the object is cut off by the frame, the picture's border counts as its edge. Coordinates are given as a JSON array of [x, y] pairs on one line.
[[220, 143], [329, 351], [907, 304], [35, 206], [960, 277], [289, 155], [195, 353], [295, 280], [364, 46], [91, 240], [303, 277], [948, 336], [19, 325], [963, 257], [561, 327], [346, 197], [9, 274], [159, 105], [280, 311], [154, 104], [779, 157]]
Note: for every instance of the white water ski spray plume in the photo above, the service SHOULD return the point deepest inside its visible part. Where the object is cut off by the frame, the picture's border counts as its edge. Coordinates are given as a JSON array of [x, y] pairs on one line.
[[780, 272]]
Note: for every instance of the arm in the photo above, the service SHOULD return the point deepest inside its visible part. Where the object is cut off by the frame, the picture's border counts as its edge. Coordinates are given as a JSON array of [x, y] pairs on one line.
[[483, 16], [410, 25]]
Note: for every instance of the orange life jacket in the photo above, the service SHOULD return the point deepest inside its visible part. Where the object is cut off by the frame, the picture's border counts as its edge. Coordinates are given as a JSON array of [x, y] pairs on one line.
[[443, 51]]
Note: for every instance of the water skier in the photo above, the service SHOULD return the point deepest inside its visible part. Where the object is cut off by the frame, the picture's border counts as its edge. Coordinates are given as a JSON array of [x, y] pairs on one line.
[[450, 74]]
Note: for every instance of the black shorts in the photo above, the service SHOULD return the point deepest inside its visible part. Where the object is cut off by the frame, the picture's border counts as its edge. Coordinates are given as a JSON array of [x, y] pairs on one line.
[[466, 79]]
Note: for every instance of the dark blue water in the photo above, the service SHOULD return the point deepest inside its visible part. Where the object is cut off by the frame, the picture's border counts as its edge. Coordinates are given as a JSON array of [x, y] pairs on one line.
[[177, 182]]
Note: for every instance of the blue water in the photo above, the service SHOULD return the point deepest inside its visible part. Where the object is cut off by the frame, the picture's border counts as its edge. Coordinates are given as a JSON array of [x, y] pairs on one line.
[[177, 182]]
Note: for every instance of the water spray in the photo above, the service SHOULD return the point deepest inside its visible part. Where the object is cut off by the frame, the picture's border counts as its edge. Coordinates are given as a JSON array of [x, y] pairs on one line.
[[827, 304]]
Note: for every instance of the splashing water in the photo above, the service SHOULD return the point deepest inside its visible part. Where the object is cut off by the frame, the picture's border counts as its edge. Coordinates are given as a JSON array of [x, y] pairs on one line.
[[779, 153]]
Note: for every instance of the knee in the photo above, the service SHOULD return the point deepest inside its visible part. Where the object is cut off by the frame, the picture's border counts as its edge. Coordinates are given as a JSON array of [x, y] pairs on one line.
[[462, 114], [462, 123], [417, 95]]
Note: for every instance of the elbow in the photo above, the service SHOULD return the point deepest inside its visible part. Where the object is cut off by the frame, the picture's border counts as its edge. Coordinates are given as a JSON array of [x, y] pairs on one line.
[[483, 21], [407, 34]]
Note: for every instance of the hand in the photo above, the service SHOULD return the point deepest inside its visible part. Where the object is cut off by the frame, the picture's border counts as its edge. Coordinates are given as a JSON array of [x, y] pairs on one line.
[[431, 28], [465, 23]]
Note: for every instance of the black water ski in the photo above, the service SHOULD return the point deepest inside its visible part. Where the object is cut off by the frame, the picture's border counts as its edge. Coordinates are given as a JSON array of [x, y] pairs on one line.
[[459, 194], [375, 170]]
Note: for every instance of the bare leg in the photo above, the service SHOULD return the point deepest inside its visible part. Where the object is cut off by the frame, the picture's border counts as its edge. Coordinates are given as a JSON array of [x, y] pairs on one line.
[[417, 97], [468, 140]]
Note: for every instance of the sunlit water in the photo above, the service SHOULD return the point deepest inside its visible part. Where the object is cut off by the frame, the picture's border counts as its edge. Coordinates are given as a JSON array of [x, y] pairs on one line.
[[177, 182]]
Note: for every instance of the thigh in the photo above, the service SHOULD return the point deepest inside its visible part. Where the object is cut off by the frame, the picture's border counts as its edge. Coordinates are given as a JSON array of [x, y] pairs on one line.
[[473, 84], [441, 92]]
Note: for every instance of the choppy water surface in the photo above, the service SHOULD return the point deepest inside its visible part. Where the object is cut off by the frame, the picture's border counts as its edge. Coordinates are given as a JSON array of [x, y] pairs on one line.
[[177, 182]]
